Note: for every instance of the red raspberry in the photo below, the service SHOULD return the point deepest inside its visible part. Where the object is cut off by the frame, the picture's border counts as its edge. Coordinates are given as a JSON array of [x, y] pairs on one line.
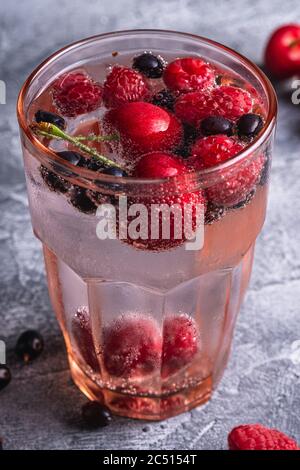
[[75, 93], [143, 128], [68, 80], [258, 437], [82, 334], [180, 343], [230, 102], [227, 101], [164, 165], [282, 55], [234, 188], [132, 346], [213, 150], [123, 85], [192, 107], [188, 74]]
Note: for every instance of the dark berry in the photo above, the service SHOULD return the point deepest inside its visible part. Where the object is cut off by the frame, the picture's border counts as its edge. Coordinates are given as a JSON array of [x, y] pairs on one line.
[[29, 345], [245, 201], [95, 415], [90, 164], [249, 125], [265, 173], [213, 213], [5, 376], [190, 135], [70, 156], [94, 165], [164, 99], [213, 125], [53, 181], [80, 199], [148, 64], [46, 116], [113, 171]]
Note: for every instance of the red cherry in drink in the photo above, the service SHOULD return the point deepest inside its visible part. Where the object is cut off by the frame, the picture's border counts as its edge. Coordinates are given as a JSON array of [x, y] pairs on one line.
[[143, 128], [159, 165], [132, 346], [282, 54]]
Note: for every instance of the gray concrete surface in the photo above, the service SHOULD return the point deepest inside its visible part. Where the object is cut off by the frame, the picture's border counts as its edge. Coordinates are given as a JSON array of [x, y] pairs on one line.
[[40, 409]]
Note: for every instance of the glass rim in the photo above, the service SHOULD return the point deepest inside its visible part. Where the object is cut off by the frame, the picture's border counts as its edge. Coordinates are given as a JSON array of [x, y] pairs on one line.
[[90, 174]]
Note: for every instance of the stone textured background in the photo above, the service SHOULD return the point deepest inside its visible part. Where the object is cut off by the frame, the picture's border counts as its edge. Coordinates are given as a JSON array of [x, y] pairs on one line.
[[41, 407]]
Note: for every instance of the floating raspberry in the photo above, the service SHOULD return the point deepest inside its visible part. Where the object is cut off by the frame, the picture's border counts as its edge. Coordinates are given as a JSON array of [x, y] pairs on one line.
[[213, 150], [232, 188], [258, 437], [132, 346], [237, 188], [124, 85], [231, 102], [143, 128], [76, 93], [192, 107], [180, 343], [188, 74]]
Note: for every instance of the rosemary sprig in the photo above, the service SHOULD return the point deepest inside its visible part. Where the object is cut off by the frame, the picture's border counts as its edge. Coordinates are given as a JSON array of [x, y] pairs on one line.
[[51, 131]]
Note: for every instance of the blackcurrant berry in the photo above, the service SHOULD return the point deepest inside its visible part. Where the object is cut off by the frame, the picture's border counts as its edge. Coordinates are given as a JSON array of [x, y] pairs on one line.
[[95, 415], [29, 345], [213, 213], [91, 164], [164, 99], [53, 181], [249, 125], [80, 199], [214, 125], [113, 171], [148, 64], [71, 157], [46, 116], [5, 376], [264, 177], [190, 135]]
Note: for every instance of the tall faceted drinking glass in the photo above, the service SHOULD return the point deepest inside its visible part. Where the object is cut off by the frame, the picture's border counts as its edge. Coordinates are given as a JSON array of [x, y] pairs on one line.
[[117, 303]]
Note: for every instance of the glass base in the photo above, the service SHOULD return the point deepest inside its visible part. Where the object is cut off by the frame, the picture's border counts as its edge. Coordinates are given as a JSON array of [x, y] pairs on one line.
[[148, 408], [212, 300]]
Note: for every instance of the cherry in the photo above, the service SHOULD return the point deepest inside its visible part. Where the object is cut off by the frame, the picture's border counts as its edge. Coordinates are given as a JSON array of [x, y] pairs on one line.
[[282, 54]]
